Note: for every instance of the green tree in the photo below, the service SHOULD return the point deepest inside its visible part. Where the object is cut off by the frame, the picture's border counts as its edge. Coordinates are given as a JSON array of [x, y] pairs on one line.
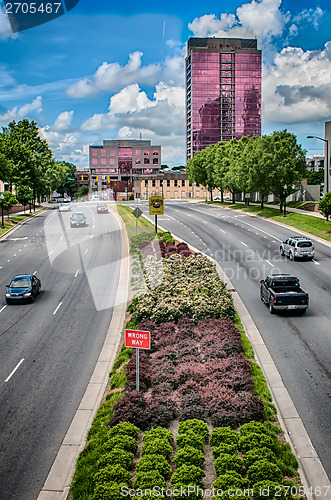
[[24, 195], [4, 163], [28, 154], [236, 176], [258, 168], [285, 162], [68, 186], [325, 205], [82, 191], [9, 201], [315, 177]]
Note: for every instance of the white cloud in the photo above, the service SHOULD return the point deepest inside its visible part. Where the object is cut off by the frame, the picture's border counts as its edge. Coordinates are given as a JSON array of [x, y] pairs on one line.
[[63, 121], [262, 19], [297, 87], [18, 113], [113, 76], [162, 115], [5, 28]]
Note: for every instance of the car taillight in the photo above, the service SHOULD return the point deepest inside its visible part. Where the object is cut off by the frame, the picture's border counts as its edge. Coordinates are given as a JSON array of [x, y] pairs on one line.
[[307, 299], [275, 299], [313, 249], [295, 249]]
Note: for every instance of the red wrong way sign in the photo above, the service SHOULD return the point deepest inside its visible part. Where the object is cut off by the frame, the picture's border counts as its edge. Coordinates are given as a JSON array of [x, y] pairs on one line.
[[138, 338]]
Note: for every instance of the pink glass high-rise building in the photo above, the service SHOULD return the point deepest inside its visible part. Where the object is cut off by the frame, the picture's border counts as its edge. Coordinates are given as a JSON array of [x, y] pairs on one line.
[[223, 91]]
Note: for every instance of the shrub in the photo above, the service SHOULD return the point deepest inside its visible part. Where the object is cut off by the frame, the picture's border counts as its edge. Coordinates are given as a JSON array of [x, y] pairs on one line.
[[131, 407], [262, 470], [189, 456], [187, 474], [230, 480], [229, 449], [190, 439], [126, 428], [226, 463], [197, 426], [154, 462], [260, 428], [145, 480], [159, 433], [223, 435], [252, 440], [189, 491], [127, 443], [271, 489], [257, 454], [108, 491], [114, 473], [116, 456], [157, 447]]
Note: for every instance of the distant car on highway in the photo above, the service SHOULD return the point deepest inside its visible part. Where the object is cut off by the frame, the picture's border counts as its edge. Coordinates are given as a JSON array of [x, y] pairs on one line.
[[64, 207], [102, 208], [23, 288], [298, 247], [77, 219], [283, 292], [219, 197]]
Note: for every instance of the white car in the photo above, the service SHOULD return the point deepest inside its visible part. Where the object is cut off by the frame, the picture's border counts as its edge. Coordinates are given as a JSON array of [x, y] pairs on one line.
[[65, 207], [298, 247]]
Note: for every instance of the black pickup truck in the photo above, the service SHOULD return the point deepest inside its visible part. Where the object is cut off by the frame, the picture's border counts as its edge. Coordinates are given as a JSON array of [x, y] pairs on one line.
[[283, 292]]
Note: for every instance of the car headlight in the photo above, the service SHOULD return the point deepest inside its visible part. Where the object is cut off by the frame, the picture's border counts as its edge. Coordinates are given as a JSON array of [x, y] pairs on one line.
[[27, 294], [7, 294]]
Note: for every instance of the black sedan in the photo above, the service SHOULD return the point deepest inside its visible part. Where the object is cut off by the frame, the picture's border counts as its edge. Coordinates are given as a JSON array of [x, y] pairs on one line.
[[24, 287]]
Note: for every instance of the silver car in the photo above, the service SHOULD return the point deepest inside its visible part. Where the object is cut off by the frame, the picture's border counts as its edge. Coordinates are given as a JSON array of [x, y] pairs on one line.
[[298, 247]]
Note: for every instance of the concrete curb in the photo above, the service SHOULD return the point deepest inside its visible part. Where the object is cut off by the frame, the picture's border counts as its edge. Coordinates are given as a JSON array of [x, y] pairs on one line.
[[19, 224], [57, 484], [309, 235], [311, 470]]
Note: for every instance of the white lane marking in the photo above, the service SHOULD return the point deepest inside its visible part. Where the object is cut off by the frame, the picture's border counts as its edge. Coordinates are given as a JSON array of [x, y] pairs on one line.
[[16, 368], [62, 237], [222, 230], [86, 251], [205, 221], [58, 307], [20, 250], [315, 262], [270, 263], [0, 267], [244, 244], [35, 273], [4, 307], [15, 254], [76, 273], [8, 260], [50, 253]]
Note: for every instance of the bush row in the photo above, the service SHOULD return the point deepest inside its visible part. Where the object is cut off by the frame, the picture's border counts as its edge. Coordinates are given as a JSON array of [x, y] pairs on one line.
[[196, 371], [266, 462]]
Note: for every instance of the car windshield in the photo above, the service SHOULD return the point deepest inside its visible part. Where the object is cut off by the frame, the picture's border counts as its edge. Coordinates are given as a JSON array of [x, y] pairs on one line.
[[20, 283], [303, 244], [77, 216]]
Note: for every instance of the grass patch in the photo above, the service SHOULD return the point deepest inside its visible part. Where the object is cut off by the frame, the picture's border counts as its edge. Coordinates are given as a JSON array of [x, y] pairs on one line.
[[302, 222], [144, 225]]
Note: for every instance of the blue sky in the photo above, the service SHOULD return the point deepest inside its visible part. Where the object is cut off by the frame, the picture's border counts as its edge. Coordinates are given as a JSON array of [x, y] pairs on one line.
[[105, 71]]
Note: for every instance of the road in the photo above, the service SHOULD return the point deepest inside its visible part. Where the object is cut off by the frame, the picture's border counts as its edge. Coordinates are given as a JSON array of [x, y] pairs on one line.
[[247, 248], [49, 349]]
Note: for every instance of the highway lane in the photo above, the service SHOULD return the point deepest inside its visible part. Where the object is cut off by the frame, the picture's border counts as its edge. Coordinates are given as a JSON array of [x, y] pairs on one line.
[[247, 248], [48, 349]]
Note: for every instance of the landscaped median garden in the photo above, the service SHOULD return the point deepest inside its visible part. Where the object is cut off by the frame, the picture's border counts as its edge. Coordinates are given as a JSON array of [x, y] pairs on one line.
[[203, 424]]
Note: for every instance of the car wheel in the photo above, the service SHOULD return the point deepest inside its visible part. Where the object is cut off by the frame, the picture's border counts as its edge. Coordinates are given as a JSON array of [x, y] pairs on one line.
[[271, 308], [8, 301], [302, 311], [282, 251], [261, 296], [291, 256], [32, 298]]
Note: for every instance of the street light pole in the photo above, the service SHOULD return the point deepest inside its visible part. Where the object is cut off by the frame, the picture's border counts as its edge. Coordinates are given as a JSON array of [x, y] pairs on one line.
[[2, 219], [326, 169]]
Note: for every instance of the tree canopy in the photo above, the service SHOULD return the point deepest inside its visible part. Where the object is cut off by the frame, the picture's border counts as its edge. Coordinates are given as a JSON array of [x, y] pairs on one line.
[[269, 164]]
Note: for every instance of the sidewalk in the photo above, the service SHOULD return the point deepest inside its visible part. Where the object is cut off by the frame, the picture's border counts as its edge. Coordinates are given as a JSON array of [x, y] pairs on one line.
[[295, 210]]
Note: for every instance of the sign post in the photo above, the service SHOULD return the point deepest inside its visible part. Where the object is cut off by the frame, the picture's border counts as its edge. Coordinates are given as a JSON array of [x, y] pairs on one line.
[[137, 213], [156, 207], [139, 339]]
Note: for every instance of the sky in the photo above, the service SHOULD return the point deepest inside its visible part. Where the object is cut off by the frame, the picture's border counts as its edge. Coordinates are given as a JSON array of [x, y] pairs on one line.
[[115, 70]]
